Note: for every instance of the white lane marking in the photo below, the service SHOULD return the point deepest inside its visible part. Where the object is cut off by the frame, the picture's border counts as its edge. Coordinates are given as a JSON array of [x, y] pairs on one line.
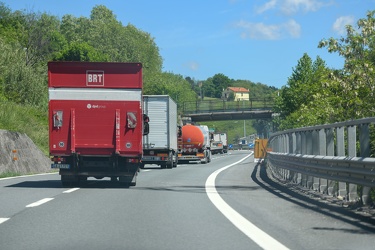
[[261, 238], [70, 190], [38, 203], [2, 220], [148, 170], [24, 176]]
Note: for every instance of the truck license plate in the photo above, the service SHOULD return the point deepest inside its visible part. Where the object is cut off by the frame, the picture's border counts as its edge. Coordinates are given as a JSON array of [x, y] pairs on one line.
[[151, 158], [61, 166]]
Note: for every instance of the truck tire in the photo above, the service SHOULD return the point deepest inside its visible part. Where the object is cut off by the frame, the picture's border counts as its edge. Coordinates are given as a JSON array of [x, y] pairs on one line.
[[69, 180], [170, 162], [124, 181], [204, 161]]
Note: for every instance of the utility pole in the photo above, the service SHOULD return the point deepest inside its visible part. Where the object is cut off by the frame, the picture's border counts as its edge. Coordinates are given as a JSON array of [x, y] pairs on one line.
[[244, 129]]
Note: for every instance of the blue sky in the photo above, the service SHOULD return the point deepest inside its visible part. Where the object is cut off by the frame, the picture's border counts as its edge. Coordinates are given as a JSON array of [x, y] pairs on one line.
[[256, 40]]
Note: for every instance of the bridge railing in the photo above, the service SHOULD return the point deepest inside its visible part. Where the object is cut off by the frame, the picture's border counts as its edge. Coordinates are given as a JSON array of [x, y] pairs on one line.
[[204, 106], [333, 159]]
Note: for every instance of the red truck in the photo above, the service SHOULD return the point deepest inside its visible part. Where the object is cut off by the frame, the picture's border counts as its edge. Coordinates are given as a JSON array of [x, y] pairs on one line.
[[96, 123]]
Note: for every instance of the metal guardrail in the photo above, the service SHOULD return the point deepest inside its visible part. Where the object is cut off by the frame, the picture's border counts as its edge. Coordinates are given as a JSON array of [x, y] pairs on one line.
[[224, 106], [325, 158]]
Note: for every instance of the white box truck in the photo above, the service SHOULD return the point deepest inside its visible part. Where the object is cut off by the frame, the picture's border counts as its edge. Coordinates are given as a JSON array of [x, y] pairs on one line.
[[160, 145], [224, 139], [216, 144]]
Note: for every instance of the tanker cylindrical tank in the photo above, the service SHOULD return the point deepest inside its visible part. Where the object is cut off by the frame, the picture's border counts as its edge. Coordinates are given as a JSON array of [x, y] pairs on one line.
[[192, 137]]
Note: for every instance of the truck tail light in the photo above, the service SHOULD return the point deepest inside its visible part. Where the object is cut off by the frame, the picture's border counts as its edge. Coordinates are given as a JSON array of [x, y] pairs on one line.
[[132, 119], [57, 119], [133, 160], [58, 159]]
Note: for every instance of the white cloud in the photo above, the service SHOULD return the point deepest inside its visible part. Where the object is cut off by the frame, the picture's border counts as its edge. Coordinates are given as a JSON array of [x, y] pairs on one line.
[[341, 22], [293, 28], [290, 7], [261, 31], [194, 66], [267, 6]]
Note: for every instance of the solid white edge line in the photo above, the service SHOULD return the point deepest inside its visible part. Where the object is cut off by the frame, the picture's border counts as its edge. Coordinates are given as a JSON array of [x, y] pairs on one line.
[[2, 220], [40, 202], [70, 190], [261, 238]]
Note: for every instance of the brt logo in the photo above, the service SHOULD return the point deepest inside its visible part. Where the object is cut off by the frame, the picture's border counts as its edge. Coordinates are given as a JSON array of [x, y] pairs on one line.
[[94, 78]]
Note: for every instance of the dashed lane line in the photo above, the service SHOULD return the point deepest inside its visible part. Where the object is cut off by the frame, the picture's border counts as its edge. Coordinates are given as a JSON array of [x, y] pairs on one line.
[[40, 202], [261, 238], [2, 220], [70, 190]]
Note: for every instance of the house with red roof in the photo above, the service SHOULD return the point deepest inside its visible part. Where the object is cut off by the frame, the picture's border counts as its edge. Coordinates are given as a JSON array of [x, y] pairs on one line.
[[239, 94]]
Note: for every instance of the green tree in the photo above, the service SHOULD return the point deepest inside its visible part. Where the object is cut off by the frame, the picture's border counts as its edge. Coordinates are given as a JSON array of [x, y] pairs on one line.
[[170, 84], [220, 83], [305, 86], [19, 82], [81, 52], [357, 79], [111, 40], [208, 88]]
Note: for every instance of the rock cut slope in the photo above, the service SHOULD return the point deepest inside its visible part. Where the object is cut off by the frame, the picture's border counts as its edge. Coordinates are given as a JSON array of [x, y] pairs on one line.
[[18, 154]]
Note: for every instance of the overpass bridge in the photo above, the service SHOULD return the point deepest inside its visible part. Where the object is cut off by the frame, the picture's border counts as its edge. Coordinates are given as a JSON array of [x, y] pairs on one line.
[[219, 110]]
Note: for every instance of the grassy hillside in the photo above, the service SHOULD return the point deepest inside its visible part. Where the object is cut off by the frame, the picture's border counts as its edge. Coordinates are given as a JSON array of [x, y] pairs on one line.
[[26, 119], [234, 129]]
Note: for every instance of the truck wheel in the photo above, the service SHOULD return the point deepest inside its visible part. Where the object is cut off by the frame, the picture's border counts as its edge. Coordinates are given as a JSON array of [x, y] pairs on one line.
[[170, 164], [124, 181], [204, 161], [69, 180], [134, 181], [170, 161]]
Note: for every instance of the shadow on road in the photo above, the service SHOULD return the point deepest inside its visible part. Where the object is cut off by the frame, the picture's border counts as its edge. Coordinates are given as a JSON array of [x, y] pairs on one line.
[[38, 184], [90, 184], [365, 223]]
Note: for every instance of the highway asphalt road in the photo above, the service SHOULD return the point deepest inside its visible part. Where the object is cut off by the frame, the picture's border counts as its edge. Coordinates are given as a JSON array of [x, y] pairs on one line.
[[226, 204]]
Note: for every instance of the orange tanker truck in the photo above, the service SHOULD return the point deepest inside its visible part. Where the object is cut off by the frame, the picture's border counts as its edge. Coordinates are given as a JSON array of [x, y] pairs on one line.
[[194, 144]]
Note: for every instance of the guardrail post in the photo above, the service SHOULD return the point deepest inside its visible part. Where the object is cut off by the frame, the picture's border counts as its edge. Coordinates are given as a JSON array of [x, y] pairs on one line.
[[352, 152], [340, 149], [293, 150], [309, 148], [332, 188], [323, 183], [315, 151], [304, 152], [364, 142], [298, 151]]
